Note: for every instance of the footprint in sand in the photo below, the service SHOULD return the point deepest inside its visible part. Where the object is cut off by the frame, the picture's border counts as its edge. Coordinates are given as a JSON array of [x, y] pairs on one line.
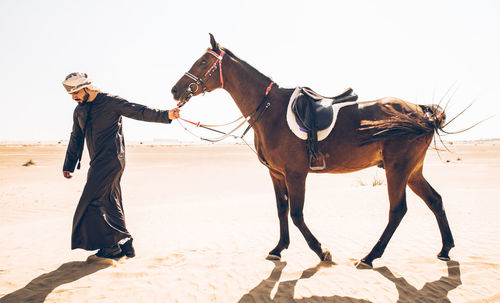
[[170, 260]]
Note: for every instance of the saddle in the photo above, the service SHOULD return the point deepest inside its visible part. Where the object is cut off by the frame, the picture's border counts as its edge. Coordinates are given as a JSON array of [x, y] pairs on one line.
[[313, 113]]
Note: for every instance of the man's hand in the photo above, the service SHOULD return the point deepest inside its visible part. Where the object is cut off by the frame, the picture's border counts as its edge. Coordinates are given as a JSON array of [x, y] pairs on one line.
[[173, 113], [67, 174]]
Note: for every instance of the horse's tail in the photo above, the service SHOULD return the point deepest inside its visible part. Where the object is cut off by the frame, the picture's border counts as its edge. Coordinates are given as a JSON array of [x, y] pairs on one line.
[[430, 120]]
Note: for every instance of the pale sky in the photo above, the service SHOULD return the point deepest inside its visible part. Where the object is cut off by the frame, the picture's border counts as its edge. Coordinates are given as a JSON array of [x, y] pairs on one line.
[[414, 50]]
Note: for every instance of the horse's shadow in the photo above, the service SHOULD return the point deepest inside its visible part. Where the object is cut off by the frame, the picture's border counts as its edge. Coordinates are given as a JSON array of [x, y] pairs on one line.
[[39, 288], [286, 289], [436, 291]]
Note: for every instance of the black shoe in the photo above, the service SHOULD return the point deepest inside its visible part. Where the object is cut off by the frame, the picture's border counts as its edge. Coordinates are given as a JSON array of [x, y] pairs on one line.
[[114, 252], [128, 249]]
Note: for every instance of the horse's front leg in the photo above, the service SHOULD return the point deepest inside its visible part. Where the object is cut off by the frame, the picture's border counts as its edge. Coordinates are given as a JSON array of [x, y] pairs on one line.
[[282, 205], [296, 184]]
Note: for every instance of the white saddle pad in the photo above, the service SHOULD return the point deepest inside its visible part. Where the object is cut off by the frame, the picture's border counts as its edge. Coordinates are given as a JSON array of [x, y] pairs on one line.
[[302, 134]]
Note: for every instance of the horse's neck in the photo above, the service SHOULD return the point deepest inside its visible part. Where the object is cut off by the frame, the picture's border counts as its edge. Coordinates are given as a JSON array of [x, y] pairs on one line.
[[247, 87]]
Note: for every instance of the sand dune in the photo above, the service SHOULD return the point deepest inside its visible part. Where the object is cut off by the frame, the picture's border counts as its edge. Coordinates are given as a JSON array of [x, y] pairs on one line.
[[204, 219]]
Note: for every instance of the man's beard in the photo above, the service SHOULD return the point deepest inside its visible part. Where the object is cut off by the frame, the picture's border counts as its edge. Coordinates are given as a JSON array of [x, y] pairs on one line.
[[85, 98]]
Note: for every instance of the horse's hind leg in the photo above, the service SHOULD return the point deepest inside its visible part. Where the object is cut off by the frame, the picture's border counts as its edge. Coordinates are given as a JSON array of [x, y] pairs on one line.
[[282, 205], [424, 190], [295, 184], [396, 184]]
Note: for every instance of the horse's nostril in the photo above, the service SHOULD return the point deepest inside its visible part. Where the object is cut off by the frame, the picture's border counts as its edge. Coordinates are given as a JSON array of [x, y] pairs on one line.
[[174, 90]]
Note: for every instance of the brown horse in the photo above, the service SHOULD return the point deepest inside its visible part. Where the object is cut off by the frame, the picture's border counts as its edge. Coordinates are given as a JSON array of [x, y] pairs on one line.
[[389, 133]]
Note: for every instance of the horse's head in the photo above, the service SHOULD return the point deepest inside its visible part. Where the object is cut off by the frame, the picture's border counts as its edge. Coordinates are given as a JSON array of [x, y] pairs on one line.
[[199, 78]]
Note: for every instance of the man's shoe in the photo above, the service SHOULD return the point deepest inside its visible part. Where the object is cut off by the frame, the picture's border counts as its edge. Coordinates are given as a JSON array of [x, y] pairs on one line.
[[114, 252], [128, 249]]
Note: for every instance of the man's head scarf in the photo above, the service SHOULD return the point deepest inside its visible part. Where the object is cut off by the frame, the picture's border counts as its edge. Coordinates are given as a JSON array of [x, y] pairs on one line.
[[76, 81]]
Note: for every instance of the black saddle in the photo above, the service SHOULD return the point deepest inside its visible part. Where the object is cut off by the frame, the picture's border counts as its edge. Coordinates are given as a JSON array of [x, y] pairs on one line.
[[314, 112]]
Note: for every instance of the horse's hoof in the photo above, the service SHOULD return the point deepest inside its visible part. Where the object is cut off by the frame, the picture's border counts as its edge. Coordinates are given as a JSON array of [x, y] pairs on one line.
[[362, 264], [443, 257], [326, 256], [273, 257]]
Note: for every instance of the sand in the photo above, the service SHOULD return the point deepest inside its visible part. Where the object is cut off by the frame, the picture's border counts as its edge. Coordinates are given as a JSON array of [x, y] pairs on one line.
[[204, 218]]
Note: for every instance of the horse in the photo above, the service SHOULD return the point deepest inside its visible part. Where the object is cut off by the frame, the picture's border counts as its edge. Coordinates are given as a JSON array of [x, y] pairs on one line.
[[388, 132]]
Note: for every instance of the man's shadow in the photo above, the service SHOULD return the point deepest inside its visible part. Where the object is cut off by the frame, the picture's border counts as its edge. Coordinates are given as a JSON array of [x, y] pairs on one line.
[[436, 291], [39, 288]]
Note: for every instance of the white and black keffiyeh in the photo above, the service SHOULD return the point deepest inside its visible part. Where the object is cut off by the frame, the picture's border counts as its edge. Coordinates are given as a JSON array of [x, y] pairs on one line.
[[76, 81]]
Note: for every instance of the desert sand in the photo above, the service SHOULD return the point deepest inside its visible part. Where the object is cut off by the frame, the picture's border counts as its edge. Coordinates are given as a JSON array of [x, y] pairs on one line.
[[204, 218]]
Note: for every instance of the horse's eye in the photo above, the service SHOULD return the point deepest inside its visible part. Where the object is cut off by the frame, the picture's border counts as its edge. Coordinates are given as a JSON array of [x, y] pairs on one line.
[[203, 62]]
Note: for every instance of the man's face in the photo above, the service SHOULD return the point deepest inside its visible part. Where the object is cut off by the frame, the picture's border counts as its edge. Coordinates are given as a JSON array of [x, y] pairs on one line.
[[80, 96]]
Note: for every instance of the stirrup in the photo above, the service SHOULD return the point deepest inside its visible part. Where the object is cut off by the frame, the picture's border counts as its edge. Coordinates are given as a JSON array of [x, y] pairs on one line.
[[320, 167]]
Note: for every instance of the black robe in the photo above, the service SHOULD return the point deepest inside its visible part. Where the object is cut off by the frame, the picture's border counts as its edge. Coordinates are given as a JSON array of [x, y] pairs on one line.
[[99, 218]]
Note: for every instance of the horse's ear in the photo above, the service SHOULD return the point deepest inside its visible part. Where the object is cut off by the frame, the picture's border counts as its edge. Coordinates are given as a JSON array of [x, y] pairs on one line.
[[215, 46]]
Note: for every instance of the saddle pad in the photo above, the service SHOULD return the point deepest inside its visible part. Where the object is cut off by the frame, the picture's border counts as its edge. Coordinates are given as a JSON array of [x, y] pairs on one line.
[[302, 133]]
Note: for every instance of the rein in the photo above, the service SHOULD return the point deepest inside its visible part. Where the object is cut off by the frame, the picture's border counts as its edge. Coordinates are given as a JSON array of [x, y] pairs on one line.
[[250, 125], [261, 108]]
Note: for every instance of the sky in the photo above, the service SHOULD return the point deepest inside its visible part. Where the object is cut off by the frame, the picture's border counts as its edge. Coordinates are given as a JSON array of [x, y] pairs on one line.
[[414, 50]]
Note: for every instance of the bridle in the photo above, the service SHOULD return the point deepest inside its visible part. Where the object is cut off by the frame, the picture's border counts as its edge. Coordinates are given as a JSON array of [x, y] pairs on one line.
[[259, 111], [201, 81]]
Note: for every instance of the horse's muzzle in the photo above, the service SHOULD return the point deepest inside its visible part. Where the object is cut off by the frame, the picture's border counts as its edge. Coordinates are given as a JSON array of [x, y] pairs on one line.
[[186, 94]]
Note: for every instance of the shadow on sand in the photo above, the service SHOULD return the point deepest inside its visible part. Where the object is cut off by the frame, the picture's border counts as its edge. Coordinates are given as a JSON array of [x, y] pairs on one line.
[[436, 291], [39, 288]]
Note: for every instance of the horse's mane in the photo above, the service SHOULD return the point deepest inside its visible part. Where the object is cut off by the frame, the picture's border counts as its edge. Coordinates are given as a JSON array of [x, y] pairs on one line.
[[232, 55]]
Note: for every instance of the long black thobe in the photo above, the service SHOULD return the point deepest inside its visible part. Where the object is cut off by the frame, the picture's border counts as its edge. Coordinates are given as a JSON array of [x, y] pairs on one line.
[[99, 218]]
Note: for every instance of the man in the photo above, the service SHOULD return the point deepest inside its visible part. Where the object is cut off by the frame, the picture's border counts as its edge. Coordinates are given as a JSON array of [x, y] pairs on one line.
[[99, 221]]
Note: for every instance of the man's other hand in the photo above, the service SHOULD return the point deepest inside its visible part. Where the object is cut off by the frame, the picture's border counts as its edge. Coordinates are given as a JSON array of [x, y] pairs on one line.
[[67, 174]]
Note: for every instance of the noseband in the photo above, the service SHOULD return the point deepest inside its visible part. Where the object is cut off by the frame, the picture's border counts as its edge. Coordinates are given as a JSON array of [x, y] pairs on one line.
[[201, 81]]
